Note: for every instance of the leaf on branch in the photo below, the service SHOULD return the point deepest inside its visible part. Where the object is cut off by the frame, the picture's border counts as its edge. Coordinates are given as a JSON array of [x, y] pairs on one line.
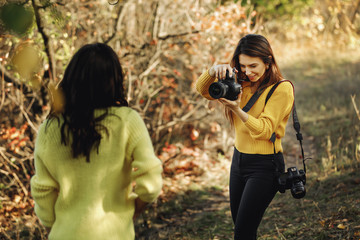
[[27, 62], [16, 18]]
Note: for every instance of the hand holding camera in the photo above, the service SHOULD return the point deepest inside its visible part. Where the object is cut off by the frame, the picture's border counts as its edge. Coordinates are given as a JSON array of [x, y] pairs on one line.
[[226, 87]]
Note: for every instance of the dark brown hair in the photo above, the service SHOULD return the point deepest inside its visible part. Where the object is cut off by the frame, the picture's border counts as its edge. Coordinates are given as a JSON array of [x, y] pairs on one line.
[[255, 45], [93, 79]]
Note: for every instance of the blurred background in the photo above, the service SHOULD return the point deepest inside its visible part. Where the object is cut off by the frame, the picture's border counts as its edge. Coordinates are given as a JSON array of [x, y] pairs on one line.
[[164, 46]]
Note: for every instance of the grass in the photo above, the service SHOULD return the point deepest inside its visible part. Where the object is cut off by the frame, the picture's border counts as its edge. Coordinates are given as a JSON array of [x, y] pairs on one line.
[[331, 209]]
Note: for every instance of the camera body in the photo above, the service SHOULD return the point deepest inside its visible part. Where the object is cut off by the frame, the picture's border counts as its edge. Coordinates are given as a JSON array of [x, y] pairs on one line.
[[294, 180], [227, 88]]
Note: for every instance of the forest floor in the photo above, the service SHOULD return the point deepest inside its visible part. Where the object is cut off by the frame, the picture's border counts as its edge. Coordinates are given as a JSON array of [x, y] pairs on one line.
[[331, 207]]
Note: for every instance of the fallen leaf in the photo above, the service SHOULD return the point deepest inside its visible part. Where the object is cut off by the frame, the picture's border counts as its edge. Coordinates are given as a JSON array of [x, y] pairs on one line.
[[341, 226]]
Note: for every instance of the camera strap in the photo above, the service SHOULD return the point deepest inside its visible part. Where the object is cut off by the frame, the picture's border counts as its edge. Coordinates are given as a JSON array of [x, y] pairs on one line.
[[252, 101], [296, 123]]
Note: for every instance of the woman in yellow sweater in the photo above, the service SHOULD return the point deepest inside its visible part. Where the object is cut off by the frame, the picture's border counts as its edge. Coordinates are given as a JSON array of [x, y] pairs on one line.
[[256, 159], [94, 161]]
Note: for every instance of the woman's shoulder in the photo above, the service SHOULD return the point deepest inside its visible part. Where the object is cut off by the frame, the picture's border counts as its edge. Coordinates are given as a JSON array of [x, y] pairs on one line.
[[125, 113], [51, 123], [283, 86], [49, 129], [284, 90], [123, 110]]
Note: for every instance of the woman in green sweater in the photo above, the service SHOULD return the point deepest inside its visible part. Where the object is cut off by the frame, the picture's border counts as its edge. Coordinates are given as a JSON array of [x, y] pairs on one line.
[[256, 159], [94, 161]]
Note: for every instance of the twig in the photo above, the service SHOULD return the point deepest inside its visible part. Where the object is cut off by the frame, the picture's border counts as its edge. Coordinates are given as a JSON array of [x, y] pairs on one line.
[[2, 90], [130, 85], [156, 20], [200, 104], [20, 183], [7, 78], [150, 97], [3, 231], [28, 119], [161, 112], [149, 69], [4, 172], [24, 113], [355, 107], [164, 37], [6, 159], [14, 174], [279, 233]]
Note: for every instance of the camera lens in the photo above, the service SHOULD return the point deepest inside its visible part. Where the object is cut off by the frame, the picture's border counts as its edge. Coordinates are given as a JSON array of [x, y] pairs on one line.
[[217, 90], [298, 190]]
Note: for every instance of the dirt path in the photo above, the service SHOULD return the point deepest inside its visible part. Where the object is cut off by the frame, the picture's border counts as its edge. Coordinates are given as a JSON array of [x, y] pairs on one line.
[[207, 211]]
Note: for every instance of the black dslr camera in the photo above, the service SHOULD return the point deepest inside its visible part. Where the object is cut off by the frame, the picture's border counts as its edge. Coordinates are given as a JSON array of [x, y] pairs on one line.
[[295, 180], [227, 88]]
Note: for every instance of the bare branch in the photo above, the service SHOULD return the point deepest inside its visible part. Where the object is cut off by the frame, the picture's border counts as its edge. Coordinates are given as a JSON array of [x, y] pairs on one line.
[[177, 35], [28, 119], [119, 11], [8, 161], [8, 78], [355, 106], [51, 70], [2, 89]]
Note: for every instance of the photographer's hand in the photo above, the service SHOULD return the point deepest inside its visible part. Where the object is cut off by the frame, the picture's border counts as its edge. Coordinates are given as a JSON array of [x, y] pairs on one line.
[[219, 71], [235, 107]]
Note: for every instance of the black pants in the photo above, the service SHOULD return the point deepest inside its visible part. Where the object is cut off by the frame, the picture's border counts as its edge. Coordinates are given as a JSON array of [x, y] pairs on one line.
[[252, 188]]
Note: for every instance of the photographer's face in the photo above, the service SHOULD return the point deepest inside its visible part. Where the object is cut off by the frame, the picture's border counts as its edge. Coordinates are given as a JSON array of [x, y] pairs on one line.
[[253, 67]]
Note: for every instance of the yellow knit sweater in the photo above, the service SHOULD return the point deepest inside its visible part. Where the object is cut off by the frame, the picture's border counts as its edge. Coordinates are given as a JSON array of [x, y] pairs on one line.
[[253, 136], [95, 200]]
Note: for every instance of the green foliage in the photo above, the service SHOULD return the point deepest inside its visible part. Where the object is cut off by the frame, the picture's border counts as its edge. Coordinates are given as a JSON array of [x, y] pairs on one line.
[[16, 18], [277, 8]]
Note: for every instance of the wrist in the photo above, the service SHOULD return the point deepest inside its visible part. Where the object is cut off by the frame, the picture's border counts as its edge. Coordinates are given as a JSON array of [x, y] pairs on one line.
[[211, 72]]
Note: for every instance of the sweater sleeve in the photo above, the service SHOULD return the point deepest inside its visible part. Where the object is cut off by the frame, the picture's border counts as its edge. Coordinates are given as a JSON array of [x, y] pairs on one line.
[[203, 83], [276, 110], [147, 168], [44, 188]]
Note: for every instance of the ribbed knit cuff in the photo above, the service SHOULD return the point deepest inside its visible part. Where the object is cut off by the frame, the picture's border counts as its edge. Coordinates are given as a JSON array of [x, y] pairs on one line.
[[203, 83]]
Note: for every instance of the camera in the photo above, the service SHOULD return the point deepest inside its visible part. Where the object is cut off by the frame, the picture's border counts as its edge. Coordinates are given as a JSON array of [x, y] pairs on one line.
[[294, 180], [227, 88]]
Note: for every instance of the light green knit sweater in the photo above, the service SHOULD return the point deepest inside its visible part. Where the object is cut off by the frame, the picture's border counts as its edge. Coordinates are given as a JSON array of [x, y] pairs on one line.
[[95, 200]]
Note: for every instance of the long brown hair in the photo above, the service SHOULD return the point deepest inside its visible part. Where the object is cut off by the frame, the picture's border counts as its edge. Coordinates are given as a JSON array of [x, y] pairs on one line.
[[255, 45]]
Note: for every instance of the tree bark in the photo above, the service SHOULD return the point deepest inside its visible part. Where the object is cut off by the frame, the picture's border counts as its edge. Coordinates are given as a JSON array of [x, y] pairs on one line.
[[51, 71]]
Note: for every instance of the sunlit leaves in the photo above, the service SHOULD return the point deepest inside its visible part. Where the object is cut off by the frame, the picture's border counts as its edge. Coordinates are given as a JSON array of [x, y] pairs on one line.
[[56, 16], [26, 61], [16, 18], [15, 138], [57, 98], [277, 8]]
